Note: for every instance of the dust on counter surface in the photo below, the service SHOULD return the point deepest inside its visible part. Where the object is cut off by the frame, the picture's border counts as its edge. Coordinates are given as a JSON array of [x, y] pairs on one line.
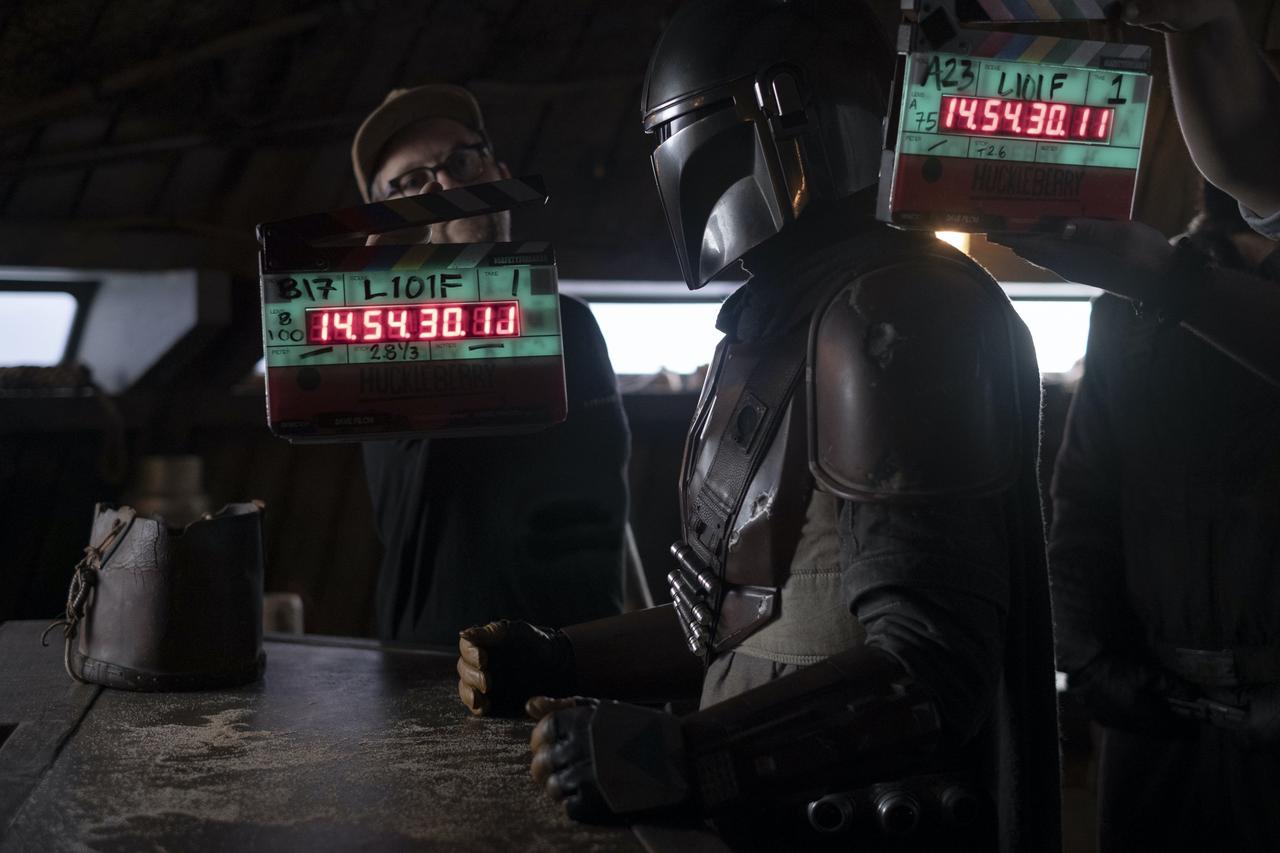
[[336, 749]]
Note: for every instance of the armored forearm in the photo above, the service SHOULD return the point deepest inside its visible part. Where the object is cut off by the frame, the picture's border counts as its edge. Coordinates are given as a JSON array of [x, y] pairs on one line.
[[849, 720], [845, 722], [636, 657]]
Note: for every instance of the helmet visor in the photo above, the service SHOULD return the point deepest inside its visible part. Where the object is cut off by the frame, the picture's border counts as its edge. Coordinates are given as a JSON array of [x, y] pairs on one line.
[[716, 189]]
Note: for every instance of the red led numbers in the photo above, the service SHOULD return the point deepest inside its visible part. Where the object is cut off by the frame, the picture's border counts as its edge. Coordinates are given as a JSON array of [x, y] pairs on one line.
[[413, 323], [1026, 119]]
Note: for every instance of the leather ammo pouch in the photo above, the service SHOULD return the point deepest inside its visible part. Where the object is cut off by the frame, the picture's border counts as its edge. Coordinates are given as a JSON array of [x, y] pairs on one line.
[[159, 608]]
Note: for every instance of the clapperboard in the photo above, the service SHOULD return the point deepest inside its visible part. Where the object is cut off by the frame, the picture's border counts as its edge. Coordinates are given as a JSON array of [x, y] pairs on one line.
[[367, 342], [1000, 131]]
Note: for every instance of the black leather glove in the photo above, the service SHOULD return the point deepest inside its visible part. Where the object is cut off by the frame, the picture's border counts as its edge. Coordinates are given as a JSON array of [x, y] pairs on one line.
[[604, 760], [502, 664], [1129, 259]]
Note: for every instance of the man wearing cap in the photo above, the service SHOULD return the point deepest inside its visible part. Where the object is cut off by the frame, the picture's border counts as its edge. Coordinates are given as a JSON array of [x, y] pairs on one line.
[[525, 526]]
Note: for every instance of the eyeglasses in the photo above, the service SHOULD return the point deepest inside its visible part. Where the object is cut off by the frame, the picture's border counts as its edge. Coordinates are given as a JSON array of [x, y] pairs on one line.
[[464, 165]]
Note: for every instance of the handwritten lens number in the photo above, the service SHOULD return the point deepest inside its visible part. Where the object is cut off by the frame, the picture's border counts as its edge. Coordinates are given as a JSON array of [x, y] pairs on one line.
[[391, 352], [926, 122]]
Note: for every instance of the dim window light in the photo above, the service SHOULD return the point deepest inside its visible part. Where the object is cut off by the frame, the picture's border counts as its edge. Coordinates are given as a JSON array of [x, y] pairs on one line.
[[673, 329], [1059, 329], [35, 327]]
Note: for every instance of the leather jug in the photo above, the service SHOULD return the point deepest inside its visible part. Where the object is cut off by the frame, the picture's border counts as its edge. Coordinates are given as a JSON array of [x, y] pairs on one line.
[[153, 607]]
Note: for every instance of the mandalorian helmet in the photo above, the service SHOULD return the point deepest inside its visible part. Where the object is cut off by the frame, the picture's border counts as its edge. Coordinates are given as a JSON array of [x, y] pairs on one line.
[[759, 108]]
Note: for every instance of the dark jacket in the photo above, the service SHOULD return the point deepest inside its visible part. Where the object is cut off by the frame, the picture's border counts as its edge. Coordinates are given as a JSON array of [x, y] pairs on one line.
[[520, 527], [1166, 498], [1165, 563]]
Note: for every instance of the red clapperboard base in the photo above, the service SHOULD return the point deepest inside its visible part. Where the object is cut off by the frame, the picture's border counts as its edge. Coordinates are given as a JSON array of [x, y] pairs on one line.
[[466, 397], [950, 193]]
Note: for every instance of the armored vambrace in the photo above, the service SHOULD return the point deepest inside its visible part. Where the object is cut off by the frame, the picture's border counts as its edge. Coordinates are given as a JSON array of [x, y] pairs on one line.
[[854, 718], [850, 720]]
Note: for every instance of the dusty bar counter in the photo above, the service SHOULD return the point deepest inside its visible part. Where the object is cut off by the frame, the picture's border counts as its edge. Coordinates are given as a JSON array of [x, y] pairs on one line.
[[344, 745]]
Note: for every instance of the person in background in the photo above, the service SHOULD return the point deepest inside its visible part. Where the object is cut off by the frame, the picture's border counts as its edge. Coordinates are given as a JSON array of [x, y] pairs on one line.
[[1164, 560], [1227, 97], [522, 526], [1228, 101], [1165, 549]]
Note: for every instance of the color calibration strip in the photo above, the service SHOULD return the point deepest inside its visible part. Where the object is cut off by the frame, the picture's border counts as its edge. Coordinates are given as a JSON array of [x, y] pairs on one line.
[[977, 11], [428, 209]]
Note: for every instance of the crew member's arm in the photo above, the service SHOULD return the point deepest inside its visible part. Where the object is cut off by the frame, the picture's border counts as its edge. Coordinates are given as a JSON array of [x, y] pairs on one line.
[[1234, 311], [1226, 95], [1099, 645], [915, 418]]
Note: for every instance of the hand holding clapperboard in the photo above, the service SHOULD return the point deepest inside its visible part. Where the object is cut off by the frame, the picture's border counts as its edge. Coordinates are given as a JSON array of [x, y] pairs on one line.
[[998, 131], [375, 341]]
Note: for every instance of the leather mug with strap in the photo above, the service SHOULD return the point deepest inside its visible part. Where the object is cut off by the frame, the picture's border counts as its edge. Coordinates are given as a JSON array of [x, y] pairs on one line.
[[156, 608]]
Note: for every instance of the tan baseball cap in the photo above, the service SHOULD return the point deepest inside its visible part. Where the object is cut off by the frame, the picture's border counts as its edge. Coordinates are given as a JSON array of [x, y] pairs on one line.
[[402, 107]]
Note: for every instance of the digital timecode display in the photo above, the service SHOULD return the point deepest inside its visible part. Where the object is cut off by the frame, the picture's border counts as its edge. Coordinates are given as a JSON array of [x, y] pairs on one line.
[[433, 322], [1026, 119]]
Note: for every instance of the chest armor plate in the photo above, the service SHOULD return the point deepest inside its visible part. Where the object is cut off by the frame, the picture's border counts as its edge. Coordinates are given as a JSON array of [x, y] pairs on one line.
[[745, 486]]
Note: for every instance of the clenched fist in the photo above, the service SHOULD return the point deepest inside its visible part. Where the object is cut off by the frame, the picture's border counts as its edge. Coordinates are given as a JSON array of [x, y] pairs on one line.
[[502, 664], [602, 760]]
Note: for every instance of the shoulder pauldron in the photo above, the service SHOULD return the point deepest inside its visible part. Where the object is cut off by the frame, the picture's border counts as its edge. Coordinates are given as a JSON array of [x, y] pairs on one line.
[[912, 385]]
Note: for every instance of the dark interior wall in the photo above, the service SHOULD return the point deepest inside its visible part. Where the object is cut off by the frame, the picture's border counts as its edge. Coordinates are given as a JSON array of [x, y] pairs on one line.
[[49, 482], [320, 541]]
